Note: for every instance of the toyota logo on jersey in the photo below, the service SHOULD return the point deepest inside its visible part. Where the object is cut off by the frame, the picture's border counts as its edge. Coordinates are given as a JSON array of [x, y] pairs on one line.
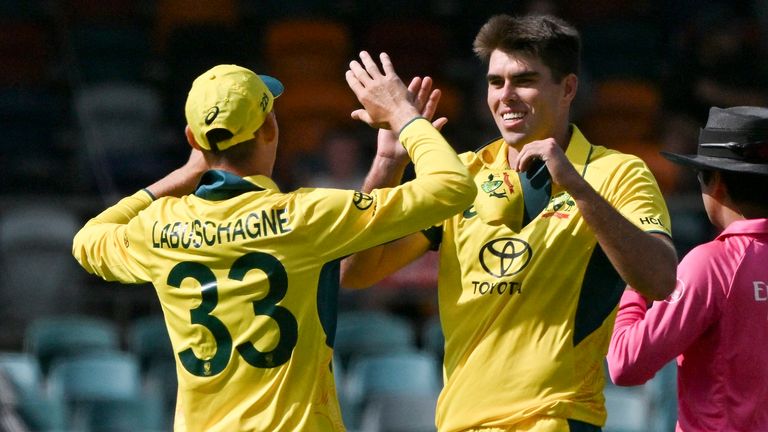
[[505, 256]]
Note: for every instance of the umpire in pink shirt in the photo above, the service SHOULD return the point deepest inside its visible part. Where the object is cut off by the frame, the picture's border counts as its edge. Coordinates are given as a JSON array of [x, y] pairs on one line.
[[716, 322]]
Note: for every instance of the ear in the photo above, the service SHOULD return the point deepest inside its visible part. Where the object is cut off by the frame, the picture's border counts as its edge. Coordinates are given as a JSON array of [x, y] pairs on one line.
[[191, 139], [718, 188], [570, 86], [268, 130]]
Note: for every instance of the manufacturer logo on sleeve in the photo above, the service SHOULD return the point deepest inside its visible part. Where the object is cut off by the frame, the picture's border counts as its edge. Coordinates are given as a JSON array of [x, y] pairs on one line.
[[362, 201]]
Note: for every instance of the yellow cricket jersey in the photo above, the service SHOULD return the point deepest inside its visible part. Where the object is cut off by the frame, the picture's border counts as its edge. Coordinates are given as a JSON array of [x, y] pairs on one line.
[[247, 278], [527, 303]]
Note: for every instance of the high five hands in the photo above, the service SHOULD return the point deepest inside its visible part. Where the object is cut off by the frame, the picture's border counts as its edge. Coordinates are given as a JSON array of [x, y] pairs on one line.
[[387, 102]]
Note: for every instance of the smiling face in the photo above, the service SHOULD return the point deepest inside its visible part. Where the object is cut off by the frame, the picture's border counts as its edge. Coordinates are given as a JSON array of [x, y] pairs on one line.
[[527, 104]]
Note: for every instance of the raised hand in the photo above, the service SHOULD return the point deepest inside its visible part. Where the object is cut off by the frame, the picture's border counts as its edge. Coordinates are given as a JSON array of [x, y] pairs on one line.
[[386, 101], [426, 99], [548, 151]]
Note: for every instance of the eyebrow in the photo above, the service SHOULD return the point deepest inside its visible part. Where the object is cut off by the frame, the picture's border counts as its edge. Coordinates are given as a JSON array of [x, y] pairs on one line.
[[521, 75]]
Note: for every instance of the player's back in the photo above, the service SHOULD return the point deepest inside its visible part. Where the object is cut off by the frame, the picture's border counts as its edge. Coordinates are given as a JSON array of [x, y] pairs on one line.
[[247, 277], [220, 267]]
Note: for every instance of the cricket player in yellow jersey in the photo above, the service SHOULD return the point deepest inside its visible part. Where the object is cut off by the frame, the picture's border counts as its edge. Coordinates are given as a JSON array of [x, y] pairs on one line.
[[247, 276], [530, 275]]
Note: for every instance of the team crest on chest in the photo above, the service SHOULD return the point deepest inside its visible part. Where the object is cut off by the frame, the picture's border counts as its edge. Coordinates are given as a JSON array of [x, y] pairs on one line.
[[560, 206], [493, 186]]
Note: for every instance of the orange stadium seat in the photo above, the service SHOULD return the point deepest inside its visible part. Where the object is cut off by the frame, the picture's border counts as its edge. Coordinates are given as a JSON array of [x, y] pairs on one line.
[[307, 49], [308, 110], [26, 52], [622, 110], [170, 14]]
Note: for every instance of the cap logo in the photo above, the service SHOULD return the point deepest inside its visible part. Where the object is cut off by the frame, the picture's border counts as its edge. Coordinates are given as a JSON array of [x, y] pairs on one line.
[[264, 103], [211, 116]]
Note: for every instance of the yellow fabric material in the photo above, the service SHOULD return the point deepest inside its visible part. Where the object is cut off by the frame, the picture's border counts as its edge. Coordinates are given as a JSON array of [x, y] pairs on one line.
[[535, 424], [229, 97], [508, 297], [235, 278]]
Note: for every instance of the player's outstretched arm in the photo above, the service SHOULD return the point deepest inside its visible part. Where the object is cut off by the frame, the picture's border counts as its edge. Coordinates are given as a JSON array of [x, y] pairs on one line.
[[97, 245], [368, 267]]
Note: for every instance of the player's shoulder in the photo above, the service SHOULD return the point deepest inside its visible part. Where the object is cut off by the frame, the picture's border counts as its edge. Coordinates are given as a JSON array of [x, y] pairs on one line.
[[614, 165], [612, 157], [484, 154]]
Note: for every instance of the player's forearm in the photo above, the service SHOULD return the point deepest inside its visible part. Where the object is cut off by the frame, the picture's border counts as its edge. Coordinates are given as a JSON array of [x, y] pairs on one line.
[[93, 244], [645, 261], [440, 175], [179, 182], [368, 267], [384, 172], [356, 270]]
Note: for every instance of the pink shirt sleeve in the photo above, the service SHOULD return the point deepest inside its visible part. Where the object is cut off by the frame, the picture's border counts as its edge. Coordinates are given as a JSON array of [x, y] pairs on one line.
[[643, 341]]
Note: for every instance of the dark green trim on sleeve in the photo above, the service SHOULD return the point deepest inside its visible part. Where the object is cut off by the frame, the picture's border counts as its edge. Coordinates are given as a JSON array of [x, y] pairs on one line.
[[600, 292], [408, 123], [327, 299], [660, 232], [151, 195], [434, 235]]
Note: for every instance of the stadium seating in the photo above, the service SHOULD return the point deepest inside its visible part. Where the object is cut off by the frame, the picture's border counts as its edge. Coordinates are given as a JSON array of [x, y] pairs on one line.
[[171, 14], [399, 413], [53, 338], [365, 333], [294, 57], [109, 51], [24, 372], [35, 116], [390, 374], [105, 385], [35, 282], [432, 337], [121, 135], [147, 338]]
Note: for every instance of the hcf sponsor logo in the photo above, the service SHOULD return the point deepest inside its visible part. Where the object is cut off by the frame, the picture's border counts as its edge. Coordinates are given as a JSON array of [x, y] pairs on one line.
[[502, 257]]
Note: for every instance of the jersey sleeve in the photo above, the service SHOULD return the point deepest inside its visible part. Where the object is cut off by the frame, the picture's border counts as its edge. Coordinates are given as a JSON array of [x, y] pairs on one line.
[[634, 192], [102, 246], [643, 341], [355, 221]]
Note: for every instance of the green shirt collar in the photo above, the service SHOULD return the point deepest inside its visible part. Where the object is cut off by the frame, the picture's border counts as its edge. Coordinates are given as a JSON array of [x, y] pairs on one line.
[[217, 185]]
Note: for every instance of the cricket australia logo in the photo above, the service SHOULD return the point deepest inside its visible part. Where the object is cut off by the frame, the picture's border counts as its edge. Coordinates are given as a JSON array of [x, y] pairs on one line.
[[560, 206], [493, 186], [505, 256]]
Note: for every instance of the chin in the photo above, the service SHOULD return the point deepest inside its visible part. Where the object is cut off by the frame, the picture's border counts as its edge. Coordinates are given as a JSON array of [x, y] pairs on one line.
[[514, 139]]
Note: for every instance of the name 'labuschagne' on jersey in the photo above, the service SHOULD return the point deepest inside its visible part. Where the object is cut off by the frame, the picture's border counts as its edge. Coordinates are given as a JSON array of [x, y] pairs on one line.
[[196, 233]]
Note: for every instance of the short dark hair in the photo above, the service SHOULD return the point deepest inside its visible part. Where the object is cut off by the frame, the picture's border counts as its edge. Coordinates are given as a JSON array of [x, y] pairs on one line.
[[745, 189], [547, 37]]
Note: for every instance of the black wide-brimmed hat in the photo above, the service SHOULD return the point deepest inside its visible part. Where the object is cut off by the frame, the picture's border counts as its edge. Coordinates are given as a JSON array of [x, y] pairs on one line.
[[734, 139]]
